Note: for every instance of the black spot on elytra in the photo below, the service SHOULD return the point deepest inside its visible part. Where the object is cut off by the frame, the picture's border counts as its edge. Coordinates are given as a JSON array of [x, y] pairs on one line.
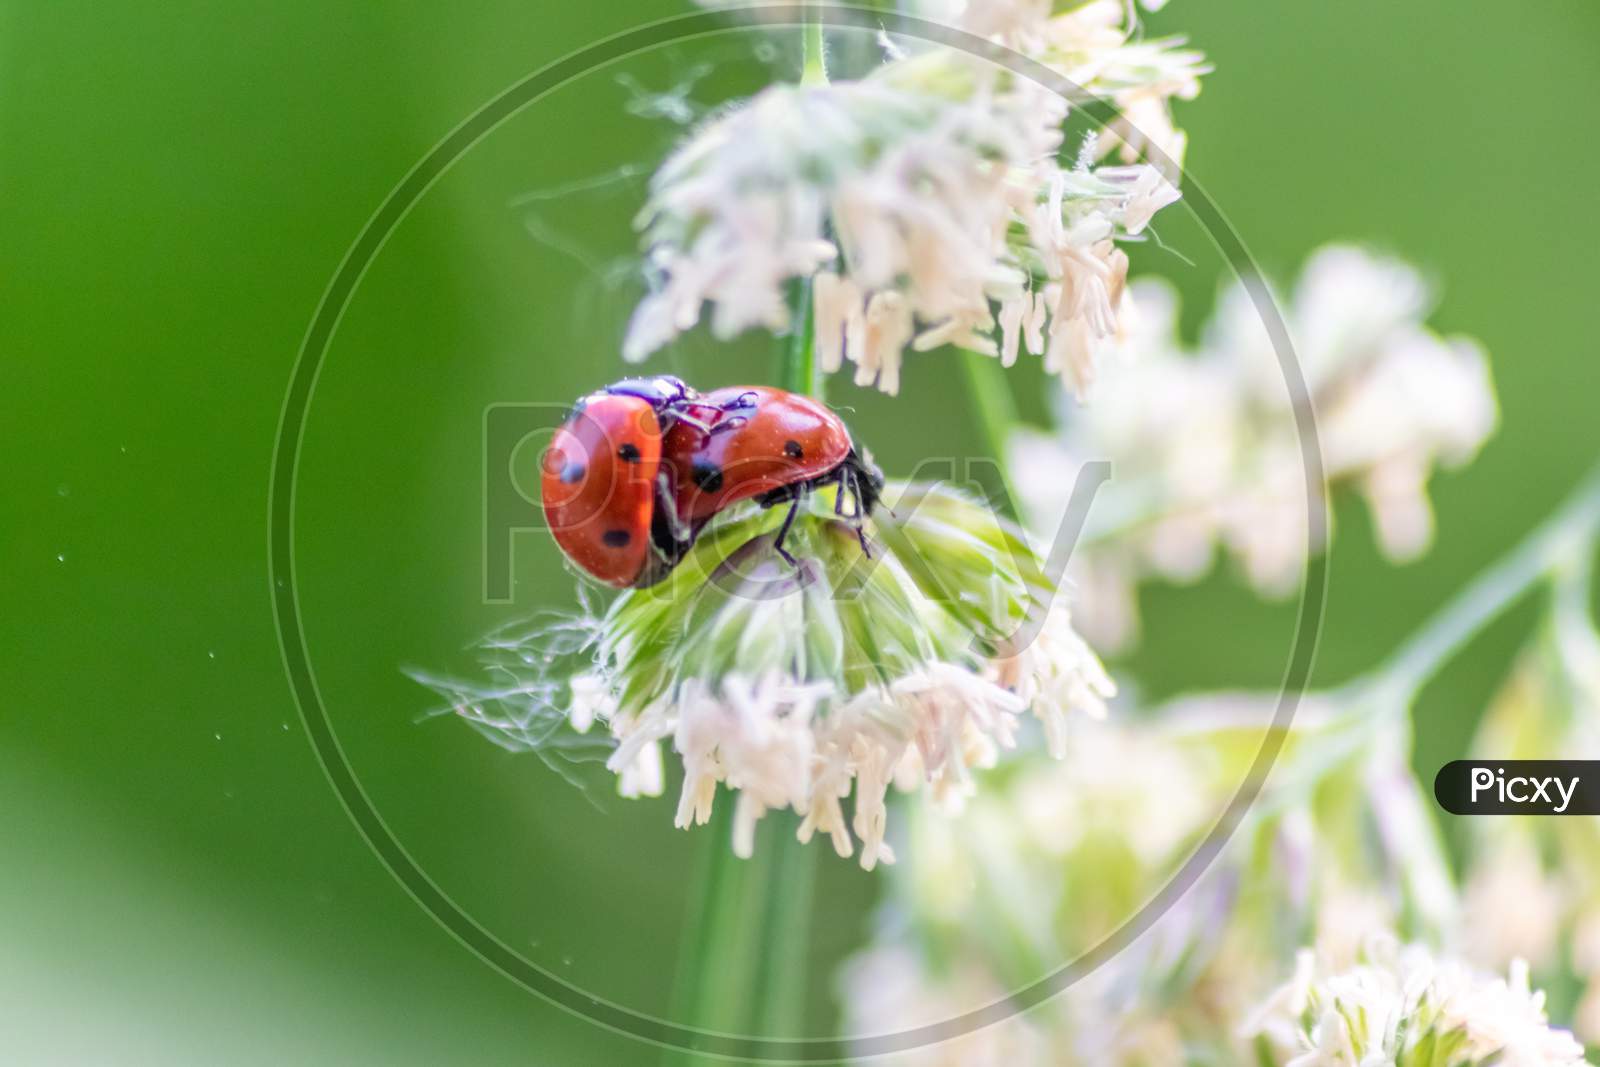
[[708, 476], [616, 538], [792, 449], [629, 453], [573, 472]]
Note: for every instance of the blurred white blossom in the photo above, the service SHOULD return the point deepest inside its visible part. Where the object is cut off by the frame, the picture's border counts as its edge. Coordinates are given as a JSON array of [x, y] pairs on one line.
[[1204, 447], [927, 200], [1337, 849], [889, 990], [1034, 871], [1407, 1008], [1097, 46], [1512, 906], [1532, 885]]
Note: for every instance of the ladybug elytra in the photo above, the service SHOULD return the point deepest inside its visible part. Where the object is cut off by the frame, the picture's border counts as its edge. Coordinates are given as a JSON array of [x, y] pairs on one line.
[[640, 467], [599, 483], [770, 445]]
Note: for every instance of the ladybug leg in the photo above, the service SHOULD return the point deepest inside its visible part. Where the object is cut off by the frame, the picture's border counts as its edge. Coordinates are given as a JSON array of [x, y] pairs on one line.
[[848, 484], [740, 402], [743, 402], [860, 515], [783, 532], [667, 508], [699, 424]]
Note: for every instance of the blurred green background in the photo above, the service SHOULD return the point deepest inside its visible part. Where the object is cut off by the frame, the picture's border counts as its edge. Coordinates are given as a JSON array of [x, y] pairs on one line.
[[177, 185]]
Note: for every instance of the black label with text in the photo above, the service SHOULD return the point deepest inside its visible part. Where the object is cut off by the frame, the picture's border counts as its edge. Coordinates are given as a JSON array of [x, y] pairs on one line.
[[1519, 787]]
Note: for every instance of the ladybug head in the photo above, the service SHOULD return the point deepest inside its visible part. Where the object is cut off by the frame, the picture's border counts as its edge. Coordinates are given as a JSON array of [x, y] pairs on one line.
[[869, 478]]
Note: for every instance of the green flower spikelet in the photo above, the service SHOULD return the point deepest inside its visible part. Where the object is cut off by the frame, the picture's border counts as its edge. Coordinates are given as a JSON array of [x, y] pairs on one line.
[[789, 681], [948, 580]]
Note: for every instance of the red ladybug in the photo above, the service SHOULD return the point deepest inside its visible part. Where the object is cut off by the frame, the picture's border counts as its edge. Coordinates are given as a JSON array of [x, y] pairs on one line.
[[599, 480], [640, 467], [773, 446], [602, 477]]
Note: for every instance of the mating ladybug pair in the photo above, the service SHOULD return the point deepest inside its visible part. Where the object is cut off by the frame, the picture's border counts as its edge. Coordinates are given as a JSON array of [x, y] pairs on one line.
[[640, 467]]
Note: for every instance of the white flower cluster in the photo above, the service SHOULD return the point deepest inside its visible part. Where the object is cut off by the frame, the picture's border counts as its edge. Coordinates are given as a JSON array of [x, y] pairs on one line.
[[927, 201], [1204, 448], [1406, 1008], [1094, 46], [781, 743]]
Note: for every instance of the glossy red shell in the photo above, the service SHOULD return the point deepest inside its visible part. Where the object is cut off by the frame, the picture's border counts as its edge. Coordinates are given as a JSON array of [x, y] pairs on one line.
[[598, 480], [774, 439]]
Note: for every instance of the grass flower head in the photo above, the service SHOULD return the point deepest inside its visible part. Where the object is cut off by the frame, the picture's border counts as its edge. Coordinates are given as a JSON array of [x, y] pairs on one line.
[[806, 687], [928, 201]]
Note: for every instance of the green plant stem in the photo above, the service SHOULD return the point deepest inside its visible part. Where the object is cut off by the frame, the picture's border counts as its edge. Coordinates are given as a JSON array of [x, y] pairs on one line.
[[721, 956], [1558, 549], [788, 928], [1574, 578], [1570, 530], [797, 371], [690, 983], [996, 412], [787, 955], [814, 67], [746, 954], [733, 949]]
